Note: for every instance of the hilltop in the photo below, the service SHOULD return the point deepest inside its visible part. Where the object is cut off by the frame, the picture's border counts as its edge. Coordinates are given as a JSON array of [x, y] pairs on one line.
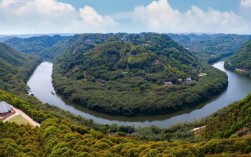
[[131, 74]]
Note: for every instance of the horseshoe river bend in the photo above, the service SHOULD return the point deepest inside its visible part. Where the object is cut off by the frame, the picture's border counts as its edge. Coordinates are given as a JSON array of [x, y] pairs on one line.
[[41, 86]]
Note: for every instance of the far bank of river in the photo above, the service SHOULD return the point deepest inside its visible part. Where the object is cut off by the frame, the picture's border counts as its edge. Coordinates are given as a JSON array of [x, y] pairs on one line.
[[41, 86]]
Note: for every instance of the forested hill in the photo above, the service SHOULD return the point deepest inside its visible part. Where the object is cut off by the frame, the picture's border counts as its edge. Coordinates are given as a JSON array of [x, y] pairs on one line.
[[233, 120], [130, 74], [40, 45], [63, 134], [120, 53], [241, 60], [211, 47], [161, 45], [15, 69], [59, 136]]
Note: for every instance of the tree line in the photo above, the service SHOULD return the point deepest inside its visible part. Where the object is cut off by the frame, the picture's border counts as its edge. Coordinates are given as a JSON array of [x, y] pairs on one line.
[[61, 137]]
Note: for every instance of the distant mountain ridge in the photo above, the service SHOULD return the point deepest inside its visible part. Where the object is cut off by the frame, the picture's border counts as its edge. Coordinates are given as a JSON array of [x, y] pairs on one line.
[[39, 45], [211, 47]]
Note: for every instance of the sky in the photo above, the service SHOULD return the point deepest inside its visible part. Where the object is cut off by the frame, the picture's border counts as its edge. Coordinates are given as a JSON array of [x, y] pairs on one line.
[[133, 16]]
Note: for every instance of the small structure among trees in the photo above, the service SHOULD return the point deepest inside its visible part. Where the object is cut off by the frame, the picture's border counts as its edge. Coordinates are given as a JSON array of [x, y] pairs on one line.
[[168, 83], [5, 109], [187, 80]]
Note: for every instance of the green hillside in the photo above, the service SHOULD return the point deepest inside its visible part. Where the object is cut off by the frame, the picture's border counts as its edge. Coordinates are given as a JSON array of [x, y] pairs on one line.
[[117, 60], [125, 74], [61, 137], [211, 47], [234, 119], [241, 60], [227, 131], [41, 45], [15, 69]]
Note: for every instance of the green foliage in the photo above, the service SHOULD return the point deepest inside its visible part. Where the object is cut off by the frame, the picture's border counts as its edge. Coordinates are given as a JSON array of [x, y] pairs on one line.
[[126, 76], [211, 48], [44, 46], [62, 134], [60, 137], [230, 120], [68, 142], [241, 60], [25, 106], [16, 140], [15, 69]]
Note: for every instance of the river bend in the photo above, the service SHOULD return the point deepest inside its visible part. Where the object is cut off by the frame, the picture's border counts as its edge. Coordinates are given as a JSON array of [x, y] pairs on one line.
[[41, 86]]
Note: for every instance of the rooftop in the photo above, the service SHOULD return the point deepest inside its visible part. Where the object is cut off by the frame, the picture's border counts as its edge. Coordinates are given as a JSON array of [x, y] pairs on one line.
[[4, 107]]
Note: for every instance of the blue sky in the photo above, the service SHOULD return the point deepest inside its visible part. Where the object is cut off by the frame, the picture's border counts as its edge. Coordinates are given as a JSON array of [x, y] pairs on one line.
[[114, 6], [105, 16]]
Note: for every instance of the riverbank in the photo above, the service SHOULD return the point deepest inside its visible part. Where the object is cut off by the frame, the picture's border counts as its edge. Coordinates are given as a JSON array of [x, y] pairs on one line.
[[41, 86], [154, 101], [244, 72]]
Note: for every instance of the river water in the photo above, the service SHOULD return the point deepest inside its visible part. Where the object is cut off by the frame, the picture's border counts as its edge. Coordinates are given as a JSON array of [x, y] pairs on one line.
[[41, 86]]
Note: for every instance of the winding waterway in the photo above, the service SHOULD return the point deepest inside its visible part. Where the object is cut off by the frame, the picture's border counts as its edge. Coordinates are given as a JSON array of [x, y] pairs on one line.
[[41, 86]]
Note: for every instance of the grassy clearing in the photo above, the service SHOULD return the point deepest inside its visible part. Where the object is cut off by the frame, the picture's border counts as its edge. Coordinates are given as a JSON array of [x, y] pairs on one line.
[[19, 119]]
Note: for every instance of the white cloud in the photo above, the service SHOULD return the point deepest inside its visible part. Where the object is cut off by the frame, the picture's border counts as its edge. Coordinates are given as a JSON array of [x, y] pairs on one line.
[[52, 16], [92, 19], [159, 16], [245, 9], [49, 16], [156, 14], [246, 4]]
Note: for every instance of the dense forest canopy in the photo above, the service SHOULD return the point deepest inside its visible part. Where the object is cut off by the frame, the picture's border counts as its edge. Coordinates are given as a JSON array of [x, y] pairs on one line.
[[233, 119], [15, 69], [207, 47], [132, 74], [227, 132], [40, 45], [241, 60], [61, 137], [211, 47]]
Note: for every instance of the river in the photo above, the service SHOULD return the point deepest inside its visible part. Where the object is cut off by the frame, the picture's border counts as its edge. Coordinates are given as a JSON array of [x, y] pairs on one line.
[[41, 86]]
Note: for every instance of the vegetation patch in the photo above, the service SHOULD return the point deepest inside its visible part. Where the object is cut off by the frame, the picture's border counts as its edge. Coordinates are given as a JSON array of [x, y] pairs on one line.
[[240, 62], [230, 120], [60, 137], [15, 69], [19, 119], [44, 46], [134, 74], [211, 48]]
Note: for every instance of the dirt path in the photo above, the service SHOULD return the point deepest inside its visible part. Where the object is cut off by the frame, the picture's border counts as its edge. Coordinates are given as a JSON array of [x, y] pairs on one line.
[[34, 123]]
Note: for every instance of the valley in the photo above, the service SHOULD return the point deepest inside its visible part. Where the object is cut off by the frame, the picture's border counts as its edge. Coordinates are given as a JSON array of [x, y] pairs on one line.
[[139, 78], [237, 89], [62, 122]]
